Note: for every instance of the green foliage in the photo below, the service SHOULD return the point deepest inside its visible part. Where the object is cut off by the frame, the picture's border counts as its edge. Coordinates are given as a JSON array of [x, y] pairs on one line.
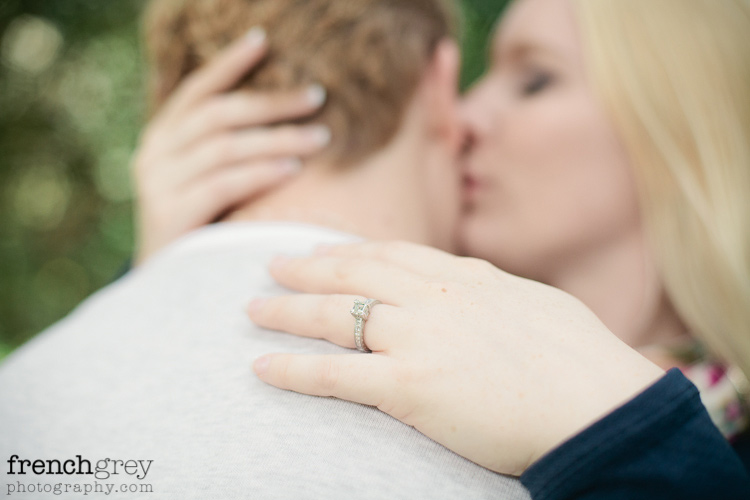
[[71, 107], [479, 20]]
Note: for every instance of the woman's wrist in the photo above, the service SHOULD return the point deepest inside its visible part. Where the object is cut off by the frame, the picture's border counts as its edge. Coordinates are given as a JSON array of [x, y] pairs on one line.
[[606, 390]]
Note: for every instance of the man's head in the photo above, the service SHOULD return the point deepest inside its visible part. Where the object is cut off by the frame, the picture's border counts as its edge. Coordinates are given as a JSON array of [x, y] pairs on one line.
[[370, 55], [390, 68]]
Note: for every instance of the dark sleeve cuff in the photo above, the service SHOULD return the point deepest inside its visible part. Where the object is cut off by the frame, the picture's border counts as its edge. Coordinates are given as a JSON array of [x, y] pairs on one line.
[[661, 444]]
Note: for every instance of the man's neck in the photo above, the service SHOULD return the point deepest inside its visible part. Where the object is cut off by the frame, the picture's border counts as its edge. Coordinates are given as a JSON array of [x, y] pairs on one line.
[[377, 199]]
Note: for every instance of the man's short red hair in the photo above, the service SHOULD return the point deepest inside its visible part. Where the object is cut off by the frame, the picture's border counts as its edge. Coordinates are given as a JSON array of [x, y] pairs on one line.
[[369, 54]]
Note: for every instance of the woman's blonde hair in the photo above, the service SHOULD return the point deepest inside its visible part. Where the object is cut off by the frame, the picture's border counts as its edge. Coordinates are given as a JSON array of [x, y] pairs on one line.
[[675, 75]]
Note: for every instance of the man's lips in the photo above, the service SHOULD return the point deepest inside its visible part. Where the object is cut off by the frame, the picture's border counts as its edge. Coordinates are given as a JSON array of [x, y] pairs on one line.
[[472, 185]]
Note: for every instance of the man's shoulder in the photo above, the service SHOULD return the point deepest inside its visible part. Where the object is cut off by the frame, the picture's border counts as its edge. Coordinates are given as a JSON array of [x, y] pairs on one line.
[[208, 274], [158, 367], [188, 301], [256, 238]]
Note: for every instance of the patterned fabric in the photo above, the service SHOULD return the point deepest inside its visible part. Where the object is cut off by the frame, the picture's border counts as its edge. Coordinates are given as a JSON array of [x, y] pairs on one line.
[[724, 394]]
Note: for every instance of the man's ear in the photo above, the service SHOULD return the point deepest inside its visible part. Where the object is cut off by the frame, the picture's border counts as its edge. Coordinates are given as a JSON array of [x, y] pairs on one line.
[[441, 92]]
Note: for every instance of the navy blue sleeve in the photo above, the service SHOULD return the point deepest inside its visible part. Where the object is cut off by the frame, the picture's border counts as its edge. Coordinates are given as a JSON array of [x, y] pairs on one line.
[[741, 446], [660, 445]]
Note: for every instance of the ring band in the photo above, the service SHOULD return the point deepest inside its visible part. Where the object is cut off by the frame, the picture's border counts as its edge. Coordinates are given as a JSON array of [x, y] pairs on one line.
[[361, 311]]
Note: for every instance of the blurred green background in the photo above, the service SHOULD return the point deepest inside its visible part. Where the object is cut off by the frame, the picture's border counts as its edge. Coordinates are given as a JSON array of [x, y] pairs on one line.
[[71, 107]]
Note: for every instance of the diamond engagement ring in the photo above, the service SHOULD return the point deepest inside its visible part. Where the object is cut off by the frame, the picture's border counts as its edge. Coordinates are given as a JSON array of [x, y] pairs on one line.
[[361, 311]]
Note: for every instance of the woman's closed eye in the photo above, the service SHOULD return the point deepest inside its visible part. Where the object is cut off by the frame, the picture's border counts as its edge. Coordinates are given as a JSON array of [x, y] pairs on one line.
[[536, 83]]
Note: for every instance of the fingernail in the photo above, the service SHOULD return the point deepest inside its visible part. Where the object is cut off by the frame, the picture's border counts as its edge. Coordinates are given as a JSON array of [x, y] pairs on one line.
[[256, 305], [324, 249], [261, 365], [290, 165], [316, 94], [320, 135], [279, 262], [255, 36]]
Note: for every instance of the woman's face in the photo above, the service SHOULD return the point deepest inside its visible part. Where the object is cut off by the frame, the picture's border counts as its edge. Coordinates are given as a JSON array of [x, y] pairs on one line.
[[547, 181]]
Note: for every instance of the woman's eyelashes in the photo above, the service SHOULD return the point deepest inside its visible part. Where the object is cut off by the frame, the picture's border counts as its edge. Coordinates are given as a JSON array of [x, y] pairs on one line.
[[537, 82]]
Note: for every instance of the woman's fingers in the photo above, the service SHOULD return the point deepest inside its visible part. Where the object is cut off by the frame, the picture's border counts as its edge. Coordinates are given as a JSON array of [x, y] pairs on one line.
[[244, 110], [325, 317], [210, 197], [363, 277], [364, 379], [420, 259], [171, 212], [205, 151], [219, 75], [247, 146]]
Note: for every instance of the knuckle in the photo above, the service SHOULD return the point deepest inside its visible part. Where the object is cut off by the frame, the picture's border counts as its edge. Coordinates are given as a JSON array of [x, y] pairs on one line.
[[391, 403], [477, 265], [344, 270], [397, 247], [402, 376], [327, 376], [387, 249], [386, 405], [321, 316], [283, 373]]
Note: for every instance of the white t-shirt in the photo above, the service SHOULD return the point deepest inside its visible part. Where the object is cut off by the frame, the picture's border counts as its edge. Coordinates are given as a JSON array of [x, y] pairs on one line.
[[154, 371]]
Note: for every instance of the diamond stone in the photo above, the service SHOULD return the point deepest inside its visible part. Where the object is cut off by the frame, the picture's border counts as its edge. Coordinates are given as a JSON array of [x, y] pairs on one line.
[[360, 309]]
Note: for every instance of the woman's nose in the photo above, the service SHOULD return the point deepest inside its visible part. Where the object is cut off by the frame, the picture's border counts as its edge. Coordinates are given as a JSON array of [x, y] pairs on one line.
[[476, 112]]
